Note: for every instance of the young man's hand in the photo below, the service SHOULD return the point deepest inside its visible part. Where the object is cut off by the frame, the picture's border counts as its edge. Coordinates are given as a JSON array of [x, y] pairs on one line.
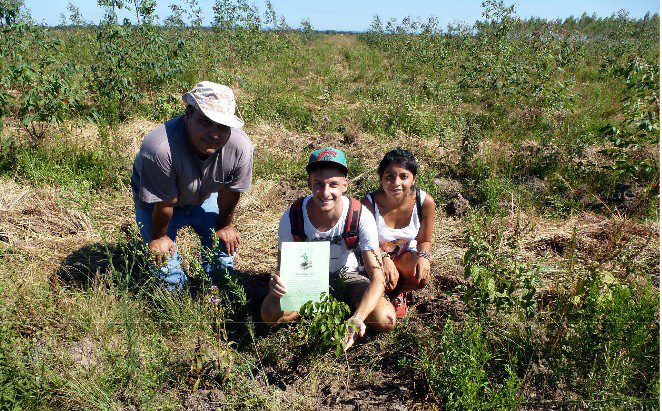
[[353, 333], [230, 238], [161, 248], [276, 286]]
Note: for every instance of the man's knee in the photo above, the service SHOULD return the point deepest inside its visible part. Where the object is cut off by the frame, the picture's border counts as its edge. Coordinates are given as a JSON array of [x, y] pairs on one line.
[[383, 317], [271, 313], [385, 322], [268, 312]]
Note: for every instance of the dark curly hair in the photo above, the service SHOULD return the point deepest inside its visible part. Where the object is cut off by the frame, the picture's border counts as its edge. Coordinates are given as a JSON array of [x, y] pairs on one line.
[[401, 157]]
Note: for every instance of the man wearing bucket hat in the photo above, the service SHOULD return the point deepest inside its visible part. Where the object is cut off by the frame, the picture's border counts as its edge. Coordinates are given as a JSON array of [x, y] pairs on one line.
[[191, 171], [356, 276]]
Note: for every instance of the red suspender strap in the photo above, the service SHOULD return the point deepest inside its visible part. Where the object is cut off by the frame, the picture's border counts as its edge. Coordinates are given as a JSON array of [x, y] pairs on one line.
[[296, 221], [351, 230]]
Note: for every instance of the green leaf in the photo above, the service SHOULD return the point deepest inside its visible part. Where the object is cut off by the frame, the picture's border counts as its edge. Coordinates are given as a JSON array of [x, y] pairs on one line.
[[491, 289]]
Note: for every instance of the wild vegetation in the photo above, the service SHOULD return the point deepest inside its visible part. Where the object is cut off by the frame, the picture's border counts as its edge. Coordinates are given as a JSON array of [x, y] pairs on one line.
[[538, 139]]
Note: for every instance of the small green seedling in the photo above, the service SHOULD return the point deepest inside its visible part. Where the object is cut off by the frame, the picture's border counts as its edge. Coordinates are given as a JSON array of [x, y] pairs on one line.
[[324, 323]]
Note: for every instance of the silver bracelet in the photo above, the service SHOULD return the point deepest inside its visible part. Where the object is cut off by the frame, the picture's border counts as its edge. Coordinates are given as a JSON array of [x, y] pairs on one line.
[[424, 254], [385, 254]]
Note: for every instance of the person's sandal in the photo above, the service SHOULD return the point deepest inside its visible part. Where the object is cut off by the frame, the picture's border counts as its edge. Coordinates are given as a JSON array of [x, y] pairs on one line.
[[400, 304]]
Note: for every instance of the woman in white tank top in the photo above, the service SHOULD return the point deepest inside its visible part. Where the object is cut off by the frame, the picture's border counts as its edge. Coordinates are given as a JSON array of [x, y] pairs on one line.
[[405, 218]]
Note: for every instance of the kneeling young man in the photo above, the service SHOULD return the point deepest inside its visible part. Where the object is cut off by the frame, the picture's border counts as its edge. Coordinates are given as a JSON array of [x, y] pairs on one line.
[[324, 216]]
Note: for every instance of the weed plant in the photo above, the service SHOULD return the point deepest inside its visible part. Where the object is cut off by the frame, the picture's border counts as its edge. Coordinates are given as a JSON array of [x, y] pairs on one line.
[[324, 323], [497, 280], [457, 371], [63, 165]]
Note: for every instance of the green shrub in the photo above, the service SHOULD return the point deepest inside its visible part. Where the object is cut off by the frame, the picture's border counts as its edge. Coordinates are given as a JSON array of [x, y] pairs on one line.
[[496, 278], [46, 88], [63, 165], [457, 369], [324, 323], [640, 128], [612, 334], [130, 62]]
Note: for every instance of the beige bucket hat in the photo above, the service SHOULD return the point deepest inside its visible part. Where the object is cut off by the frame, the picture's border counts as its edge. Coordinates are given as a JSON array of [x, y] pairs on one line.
[[216, 101]]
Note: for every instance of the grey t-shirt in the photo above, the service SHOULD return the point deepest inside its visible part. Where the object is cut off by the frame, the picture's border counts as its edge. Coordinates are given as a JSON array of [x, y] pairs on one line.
[[167, 167]]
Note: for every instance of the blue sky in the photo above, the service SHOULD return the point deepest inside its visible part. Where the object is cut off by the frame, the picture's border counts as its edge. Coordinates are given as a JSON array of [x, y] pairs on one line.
[[357, 15]]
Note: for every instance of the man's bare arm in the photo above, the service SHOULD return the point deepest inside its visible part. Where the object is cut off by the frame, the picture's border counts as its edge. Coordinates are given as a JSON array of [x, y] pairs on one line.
[[159, 243], [373, 265], [225, 231]]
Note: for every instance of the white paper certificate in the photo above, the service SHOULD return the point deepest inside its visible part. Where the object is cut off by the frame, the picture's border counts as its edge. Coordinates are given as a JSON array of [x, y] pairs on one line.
[[304, 269]]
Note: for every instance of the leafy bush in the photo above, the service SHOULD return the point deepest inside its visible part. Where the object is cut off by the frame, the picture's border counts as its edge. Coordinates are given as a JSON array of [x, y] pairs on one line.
[[613, 334], [324, 325], [633, 139], [51, 98], [414, 42], [497, 279], [240, 25], [132, 61], [508, 68], [457, 369], [38, 87]]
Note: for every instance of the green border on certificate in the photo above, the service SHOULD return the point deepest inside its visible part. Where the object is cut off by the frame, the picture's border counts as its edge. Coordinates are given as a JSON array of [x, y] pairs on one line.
[[304, 269]]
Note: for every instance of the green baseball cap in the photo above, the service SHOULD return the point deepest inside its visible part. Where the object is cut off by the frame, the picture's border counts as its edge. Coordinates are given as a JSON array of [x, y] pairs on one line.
[[327, 155]]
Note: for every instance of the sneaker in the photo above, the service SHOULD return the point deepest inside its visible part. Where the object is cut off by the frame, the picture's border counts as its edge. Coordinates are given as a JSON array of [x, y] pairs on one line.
[[400, 304]]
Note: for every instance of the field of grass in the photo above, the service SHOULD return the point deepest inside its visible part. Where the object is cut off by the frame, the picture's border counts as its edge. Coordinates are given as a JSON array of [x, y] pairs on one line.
[[539, 141]]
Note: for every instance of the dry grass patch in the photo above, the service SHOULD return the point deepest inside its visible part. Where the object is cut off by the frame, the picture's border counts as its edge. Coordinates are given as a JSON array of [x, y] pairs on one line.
[[129, 136], [257, 219], [595, 238], [34, 219], [114, 214]]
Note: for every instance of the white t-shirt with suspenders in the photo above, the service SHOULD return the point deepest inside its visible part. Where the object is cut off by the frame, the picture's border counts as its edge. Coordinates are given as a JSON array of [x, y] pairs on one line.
[[341, 256]]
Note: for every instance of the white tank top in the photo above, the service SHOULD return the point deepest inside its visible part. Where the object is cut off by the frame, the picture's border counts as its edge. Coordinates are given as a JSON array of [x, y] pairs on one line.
[[405, 237]]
